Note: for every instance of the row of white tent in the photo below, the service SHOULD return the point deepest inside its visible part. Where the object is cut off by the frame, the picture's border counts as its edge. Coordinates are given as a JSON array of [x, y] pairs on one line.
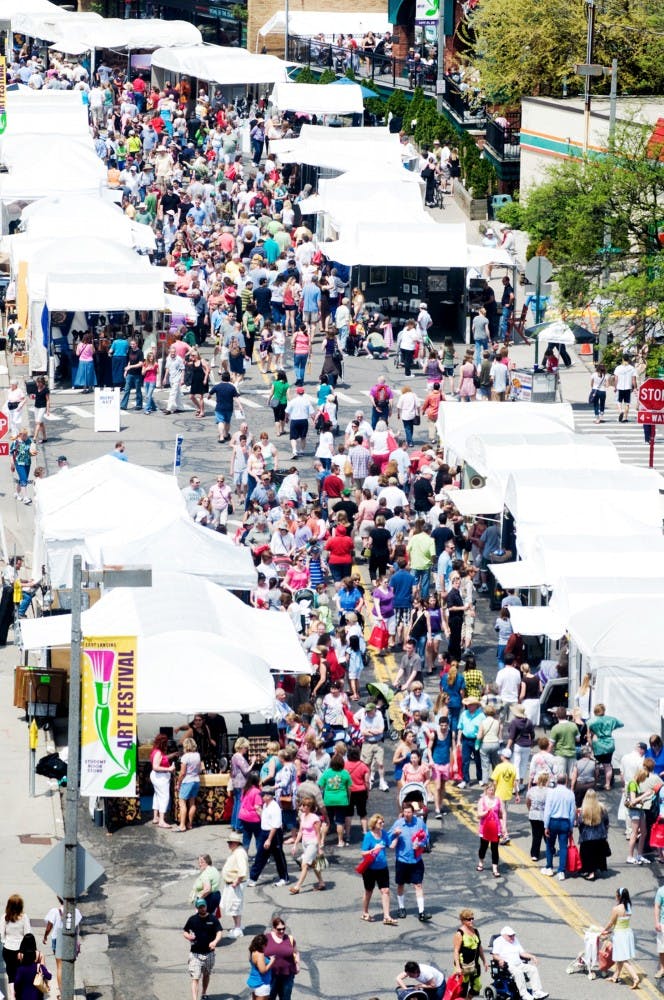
[[589, 544], [373, 208], [192, 632]]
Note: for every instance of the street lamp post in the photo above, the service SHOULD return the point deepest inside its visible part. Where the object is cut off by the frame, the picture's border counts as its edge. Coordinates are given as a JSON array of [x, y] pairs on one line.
[[135, 577]]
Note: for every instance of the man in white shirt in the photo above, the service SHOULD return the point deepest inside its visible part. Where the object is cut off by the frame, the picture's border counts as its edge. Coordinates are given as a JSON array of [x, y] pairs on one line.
[[372, 728], [523, 966], [499, 381], [394, 496], [431, 979], [402, 458], [409, 338], [299, 411], [271, 841], [508, 682], [625, 382]]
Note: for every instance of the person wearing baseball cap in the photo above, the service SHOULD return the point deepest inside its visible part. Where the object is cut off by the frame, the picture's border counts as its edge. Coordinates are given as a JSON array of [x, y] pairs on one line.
[[271, 840], [507, 950], [204, 932], [234, 875]]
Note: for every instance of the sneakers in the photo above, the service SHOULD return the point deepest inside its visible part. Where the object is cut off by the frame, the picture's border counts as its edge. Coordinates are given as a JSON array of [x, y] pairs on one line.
[[540, 995], [547, 871], [561, 876], [281, 881], [27, 501], [424, 917], [384, 787], [633, 861], [643, 861], [438, 815], [251, 882], [237, 932], [401, 914], [462, 784]]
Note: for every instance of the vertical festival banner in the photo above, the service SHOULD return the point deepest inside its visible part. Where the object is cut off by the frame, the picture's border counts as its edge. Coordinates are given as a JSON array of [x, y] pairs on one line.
[[108, 716], [3, 94]]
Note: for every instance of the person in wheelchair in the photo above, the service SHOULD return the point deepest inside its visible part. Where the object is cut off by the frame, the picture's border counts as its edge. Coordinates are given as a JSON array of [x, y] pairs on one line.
[[508, 953], [429, 977]]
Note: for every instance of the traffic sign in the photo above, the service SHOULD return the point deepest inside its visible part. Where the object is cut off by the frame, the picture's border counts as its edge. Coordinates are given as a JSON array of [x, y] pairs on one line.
[[651, 394], [51, 869], [4, 425], [4, 448], [538, 270], [650, 417]]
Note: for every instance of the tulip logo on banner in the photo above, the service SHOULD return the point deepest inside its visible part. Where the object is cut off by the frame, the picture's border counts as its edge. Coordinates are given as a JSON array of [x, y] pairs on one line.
[[427, 10], [3, 94], [108, 737]]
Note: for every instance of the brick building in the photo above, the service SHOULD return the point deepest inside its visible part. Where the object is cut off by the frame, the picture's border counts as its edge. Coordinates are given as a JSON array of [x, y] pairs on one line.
[[260, 11]]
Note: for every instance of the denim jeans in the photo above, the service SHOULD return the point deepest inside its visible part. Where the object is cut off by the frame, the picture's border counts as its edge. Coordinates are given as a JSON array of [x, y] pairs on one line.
[[468, 753], [480, 346], [300, 365], [132, 381], [263, 855], [408, 431], [237, 801], [558, 829], [149, 406], [424, 582]]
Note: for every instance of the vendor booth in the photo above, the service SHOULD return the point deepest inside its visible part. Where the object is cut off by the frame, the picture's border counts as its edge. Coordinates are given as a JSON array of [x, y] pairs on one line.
[[312, 99], [231, 68]]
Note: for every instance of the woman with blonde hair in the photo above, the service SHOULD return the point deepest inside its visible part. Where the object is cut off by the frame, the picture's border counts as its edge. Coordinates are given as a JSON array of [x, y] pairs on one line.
[[241, 767], [188, 784], [583, 695], [375, 846], [593, 823], [408, 410]]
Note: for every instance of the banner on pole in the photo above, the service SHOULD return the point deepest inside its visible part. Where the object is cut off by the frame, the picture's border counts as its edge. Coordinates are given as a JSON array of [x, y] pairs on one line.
[[3, 94], [108, 716], [427, 10]]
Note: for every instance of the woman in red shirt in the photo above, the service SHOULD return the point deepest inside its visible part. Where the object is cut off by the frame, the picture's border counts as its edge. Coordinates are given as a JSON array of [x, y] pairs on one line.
[[340, 553], [359, 790]]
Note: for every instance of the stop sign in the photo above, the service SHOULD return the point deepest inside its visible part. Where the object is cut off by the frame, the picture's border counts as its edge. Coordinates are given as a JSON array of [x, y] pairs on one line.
[[651, 394]]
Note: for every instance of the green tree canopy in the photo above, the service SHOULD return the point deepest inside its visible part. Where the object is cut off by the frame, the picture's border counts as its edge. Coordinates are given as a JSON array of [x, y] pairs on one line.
[[531, 47], [583, 203]]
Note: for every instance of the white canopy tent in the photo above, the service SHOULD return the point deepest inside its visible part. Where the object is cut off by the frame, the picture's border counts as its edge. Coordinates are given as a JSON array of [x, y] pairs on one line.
[[483, 500], [499, 454], [55, 112], [310, 23], [73, 35], [106, 292], [78, 217], [176, 598], [203, 552], [422, 243], [46, 22], [312, 99], [456, 424], [222, 65], [345, 150]]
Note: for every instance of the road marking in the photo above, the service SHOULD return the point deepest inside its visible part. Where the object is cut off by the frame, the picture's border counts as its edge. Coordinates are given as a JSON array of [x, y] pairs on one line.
[[348, 399], [78, 411], [547, 888]]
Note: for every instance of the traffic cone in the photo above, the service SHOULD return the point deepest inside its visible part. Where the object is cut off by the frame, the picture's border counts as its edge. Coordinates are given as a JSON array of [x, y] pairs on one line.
[[586, 349]]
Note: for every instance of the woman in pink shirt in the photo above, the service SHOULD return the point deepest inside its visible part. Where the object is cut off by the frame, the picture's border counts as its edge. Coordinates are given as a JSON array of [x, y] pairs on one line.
[[249, 812], [149, 371], [85, 372], [312, 845]]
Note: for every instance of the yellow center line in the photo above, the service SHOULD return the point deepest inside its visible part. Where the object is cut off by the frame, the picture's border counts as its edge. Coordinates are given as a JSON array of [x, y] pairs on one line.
[[548, 889]]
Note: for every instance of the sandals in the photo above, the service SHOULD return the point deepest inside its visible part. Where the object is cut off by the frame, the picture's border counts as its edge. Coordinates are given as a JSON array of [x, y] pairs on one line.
[[479, 867], [293, 890], [368, 918], [390, 922], [320, 887], [496, 873]]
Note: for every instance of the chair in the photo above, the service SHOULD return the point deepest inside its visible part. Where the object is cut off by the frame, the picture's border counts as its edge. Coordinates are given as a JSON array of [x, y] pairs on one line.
[[498, 200]]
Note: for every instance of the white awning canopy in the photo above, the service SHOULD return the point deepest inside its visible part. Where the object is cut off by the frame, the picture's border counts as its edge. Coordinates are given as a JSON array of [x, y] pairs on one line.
[[73, 36], [180, 305], [366, 150], [312, 99], [517, 575], [456, 425], [538, 621], [485, 500], [311, 23], [106, 293], [499, 454], [220, 64], [179, 599], [388, 244]]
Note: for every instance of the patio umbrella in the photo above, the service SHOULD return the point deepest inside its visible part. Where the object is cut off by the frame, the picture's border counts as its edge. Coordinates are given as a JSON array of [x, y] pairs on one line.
[[344, 81], [558, 331]]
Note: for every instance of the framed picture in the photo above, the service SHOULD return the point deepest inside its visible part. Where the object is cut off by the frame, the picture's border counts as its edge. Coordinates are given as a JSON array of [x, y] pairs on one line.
[[437, 283], [406, 289], [414, 289], [377, 275], [409, 274]]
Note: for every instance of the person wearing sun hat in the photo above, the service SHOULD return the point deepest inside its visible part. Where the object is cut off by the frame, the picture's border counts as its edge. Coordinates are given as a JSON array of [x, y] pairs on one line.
[[469, 723], [234, 875]]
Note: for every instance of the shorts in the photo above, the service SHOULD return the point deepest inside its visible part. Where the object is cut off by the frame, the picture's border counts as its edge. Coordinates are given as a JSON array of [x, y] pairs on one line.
[[624, 395], [402, 616], [354, 672], [391, 624], [635, 813], [310, 852], [358, 804], [409, 874], [198, 964], [448, 371], [310, 317], [298, 430], [261, 991], [372, 754], [291, 308], [604, 758], [376, 877], [189, 790], [440, 772], [39, 413], [660, 942], [240, 478], [232, 900], [338, 814], [222, 418]]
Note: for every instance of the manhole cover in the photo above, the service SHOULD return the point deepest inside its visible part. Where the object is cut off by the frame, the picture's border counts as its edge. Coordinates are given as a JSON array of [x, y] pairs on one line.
[[32, 838]]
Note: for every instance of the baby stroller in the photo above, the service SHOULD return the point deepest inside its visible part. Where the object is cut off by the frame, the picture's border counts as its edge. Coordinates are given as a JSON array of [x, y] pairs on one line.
[[595, 957], [415, 793], [306, 600], [412, 993], [386, 704]]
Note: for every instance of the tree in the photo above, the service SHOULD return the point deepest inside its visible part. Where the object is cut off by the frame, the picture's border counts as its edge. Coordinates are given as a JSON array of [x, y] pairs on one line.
[[615, 199], [532, 46]]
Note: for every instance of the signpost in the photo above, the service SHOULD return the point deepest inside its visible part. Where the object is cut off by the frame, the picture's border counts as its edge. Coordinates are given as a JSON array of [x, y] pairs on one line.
[[4, 427], [651, 412]]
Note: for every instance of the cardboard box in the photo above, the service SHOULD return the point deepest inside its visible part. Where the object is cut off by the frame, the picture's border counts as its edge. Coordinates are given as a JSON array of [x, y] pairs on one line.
[[41, 686]]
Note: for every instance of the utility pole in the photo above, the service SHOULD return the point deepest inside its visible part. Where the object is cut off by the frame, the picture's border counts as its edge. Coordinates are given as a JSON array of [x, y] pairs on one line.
[[286, 36], [613, 97], [440, 75], [590, 41], [71, 791]]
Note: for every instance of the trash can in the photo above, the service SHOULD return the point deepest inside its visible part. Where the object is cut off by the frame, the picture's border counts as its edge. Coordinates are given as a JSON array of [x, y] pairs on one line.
[[545, 387]]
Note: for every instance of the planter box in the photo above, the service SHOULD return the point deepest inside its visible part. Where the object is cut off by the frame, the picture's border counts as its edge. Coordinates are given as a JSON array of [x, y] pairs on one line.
[[475, 208]]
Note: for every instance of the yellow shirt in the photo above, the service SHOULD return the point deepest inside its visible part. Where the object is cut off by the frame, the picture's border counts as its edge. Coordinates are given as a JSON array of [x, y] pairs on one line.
[[504, 776]]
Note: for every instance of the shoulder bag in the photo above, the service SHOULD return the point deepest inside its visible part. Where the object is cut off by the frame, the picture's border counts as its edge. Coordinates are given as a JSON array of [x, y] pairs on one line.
[[40, 982]]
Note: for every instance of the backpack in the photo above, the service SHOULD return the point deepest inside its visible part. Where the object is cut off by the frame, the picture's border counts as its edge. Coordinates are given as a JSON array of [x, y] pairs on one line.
[[381, 395], [234, 348]]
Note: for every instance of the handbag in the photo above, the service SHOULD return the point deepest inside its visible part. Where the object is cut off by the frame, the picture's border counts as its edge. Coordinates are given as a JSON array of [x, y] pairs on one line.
[[367, 860], [469, 968], [592, 397], [380, 637], [40, 981], [453, 986], [273, 402], [417, 420], [657, 833], [491, 828], [573, 858]]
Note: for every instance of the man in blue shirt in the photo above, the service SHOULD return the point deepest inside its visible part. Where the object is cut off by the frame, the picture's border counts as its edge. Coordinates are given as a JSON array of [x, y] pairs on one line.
[[311, 306], [197, 213], [402, 583], [559, 817], [409, 836], [469, 724]]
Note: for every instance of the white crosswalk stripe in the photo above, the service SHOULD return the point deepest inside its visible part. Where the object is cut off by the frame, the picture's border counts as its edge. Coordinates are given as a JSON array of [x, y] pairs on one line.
[[627, 438], [78, 411], [348, 399]]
